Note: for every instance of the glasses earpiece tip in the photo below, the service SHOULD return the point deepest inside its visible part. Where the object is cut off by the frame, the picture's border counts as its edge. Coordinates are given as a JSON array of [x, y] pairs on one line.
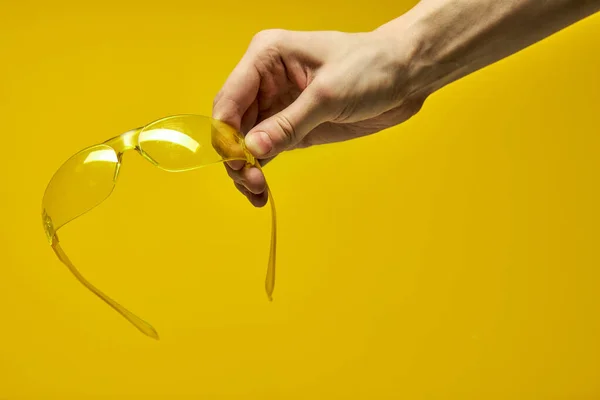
[[152, 333]]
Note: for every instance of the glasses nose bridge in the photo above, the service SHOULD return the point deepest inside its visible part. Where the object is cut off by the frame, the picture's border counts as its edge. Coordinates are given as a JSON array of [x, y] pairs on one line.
[[124, 142]]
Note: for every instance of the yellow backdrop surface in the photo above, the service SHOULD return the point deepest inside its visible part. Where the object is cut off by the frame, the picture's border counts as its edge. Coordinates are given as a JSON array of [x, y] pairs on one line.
[[453, 257]]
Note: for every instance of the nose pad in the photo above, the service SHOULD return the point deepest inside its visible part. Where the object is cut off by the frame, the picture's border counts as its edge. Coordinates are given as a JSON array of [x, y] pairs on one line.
[[118, 168], [146, 156]]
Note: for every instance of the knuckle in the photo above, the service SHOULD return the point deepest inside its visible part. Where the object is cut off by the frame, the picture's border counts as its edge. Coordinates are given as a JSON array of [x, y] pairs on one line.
[[287, 128], [328, 98], [326, 95], [268, 37]]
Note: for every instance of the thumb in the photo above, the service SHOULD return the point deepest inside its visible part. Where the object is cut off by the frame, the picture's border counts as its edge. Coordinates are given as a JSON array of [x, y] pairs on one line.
[[289, 126]]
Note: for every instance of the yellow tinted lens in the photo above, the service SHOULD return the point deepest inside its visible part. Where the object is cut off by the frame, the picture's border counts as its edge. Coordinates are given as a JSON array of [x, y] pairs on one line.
[[186, 142], [81, 183]]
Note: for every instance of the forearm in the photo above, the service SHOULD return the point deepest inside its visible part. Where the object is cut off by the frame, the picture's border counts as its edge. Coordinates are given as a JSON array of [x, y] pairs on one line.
[[450, 39]]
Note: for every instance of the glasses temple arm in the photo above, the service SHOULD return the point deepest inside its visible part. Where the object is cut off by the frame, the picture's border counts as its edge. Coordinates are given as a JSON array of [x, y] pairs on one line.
[[142, 325], [270, 279]]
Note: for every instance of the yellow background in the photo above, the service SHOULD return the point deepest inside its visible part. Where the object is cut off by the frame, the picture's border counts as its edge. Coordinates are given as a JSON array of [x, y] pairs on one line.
[[453, 257]]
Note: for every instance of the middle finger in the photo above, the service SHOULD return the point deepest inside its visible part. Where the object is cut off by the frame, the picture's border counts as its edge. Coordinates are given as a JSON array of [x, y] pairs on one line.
[[251, 178]]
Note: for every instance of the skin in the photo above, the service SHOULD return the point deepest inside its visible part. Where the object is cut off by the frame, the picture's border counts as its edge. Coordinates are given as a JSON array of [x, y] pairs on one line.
[[295, 89]]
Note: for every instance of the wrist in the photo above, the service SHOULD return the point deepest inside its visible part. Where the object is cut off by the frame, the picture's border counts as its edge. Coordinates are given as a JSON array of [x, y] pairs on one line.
[[442, 41], [418, 46]]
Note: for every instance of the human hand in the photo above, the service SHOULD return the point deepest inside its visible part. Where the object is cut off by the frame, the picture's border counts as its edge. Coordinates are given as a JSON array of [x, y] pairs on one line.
[[297, 89]]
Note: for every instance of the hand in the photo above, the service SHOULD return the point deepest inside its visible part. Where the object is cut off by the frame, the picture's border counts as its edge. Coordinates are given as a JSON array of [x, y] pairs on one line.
[[297, 89]]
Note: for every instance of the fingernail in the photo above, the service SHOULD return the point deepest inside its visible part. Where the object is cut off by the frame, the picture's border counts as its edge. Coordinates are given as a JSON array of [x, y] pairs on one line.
[[259, 143]]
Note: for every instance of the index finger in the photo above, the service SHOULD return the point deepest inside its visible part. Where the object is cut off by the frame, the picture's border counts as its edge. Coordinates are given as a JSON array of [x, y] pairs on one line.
[[237, 94]]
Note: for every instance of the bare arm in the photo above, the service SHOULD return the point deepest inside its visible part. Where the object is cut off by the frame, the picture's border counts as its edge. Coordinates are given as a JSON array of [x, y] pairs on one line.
[[298, 89], [453, 38]]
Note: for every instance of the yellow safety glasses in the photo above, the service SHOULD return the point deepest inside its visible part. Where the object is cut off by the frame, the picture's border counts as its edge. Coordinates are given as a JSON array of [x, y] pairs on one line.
[[176, 143]]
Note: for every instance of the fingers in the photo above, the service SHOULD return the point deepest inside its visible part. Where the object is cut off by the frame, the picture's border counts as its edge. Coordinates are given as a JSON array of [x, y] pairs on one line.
[[289, 126], [248, 121], [236, 103], [251, 178], [257, 200], [237, 94], [251, 182], [250, 117]]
